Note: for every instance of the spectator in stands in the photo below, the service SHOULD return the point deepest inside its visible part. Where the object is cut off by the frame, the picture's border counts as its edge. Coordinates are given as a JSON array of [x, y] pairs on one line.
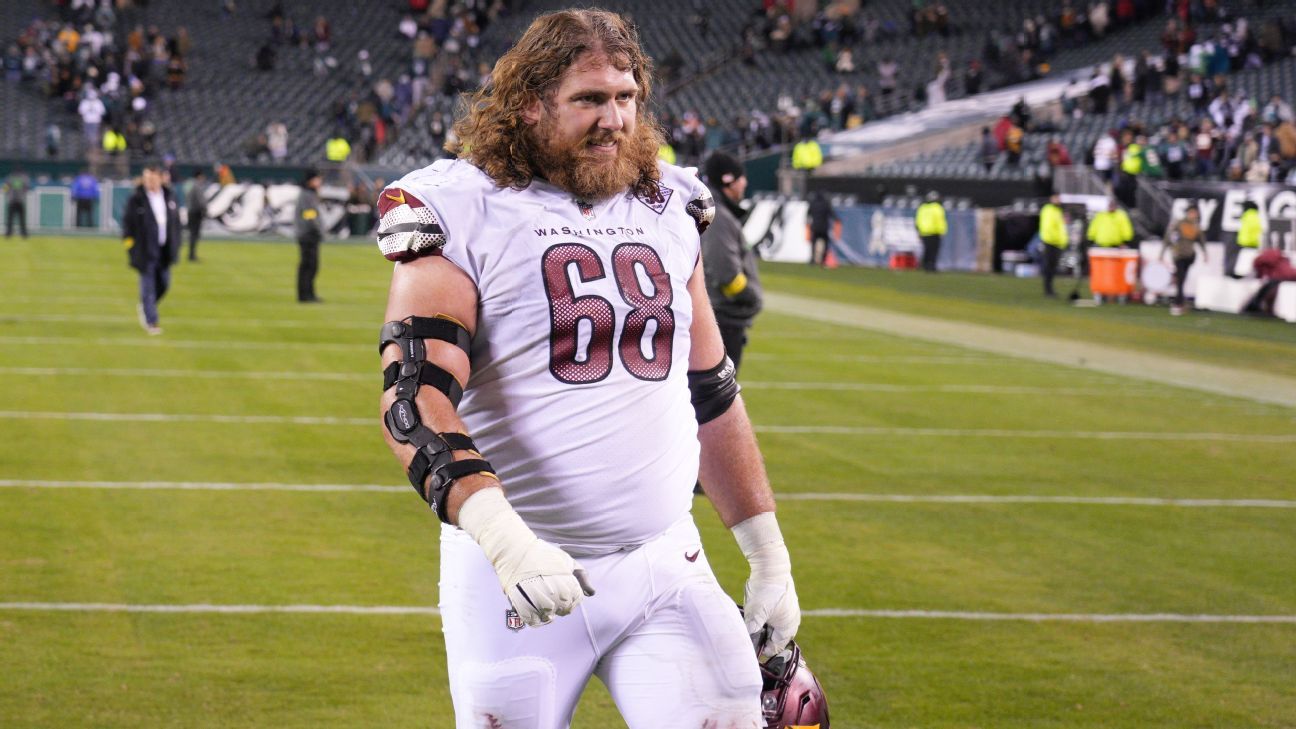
[[1205, 143], [1131, 166], [887, 70], [931, 225], [1175, 153], [309, 235], [1098, 18], [92, 112], [822, 217], [85, 192], [15, 189], [1105, 152], [151, 234], [1111, 228], [1099, 91], [936, 87], [1277, 111], [196, 204], [732, 279], [989, 149], [1056, 154], [1183, 238], [1053, 234], [1013, 144], [973, 77], [277, 141]]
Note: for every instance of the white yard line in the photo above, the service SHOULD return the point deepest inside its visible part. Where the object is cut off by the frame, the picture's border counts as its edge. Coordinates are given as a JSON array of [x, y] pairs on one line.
[[210, 609], [777, 429], [208, 321], [846, 497], [187, 418], [1165, 369], [187, 374], [165, 343], [880, 387]]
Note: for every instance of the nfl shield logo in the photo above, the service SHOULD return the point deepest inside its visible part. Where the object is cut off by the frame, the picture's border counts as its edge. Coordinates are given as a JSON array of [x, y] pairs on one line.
[[512, 620], [586, 209]]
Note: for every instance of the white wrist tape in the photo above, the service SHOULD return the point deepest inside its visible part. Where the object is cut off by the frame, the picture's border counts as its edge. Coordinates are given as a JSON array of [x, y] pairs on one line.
[[761, 542], [491, 521]]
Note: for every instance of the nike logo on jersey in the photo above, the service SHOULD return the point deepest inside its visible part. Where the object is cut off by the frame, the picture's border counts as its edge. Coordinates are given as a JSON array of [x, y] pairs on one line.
[[692, 557], [399, 198]]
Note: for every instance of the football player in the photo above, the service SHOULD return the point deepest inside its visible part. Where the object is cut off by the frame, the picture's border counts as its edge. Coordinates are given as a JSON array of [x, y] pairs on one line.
[[555, 384]]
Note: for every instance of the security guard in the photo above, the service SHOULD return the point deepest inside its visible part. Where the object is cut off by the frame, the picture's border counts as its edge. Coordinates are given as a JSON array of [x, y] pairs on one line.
[[337, 149], [807, 155], [930, 222], [1111, 228], [1250, 230], [1053, 234], [309, 235]]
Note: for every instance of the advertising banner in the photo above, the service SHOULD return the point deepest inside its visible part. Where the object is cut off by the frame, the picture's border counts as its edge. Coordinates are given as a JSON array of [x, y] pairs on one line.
[[870, 234], [1220, 204]]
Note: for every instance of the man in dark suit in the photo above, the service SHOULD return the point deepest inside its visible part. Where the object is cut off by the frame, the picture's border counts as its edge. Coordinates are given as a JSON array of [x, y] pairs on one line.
[[151, 234]]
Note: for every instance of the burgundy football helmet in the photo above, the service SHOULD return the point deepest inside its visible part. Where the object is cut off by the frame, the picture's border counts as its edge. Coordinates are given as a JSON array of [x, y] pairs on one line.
[[792, 696]]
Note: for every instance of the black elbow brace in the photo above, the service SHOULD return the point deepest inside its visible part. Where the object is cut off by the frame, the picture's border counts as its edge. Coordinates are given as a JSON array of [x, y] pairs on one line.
[[713, 391], [435, 450]]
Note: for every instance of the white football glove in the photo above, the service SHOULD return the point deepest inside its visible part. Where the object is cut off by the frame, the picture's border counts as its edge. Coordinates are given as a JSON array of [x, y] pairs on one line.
[[539, 579], [769, 598]]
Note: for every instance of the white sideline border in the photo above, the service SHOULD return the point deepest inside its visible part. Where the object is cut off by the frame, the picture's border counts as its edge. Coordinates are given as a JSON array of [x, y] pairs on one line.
[[775, 429], [210, 609], [20, 483], [829, 386]]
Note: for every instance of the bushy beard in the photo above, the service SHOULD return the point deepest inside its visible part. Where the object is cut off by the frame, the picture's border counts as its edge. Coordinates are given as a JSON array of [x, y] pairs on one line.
[[578, 169]]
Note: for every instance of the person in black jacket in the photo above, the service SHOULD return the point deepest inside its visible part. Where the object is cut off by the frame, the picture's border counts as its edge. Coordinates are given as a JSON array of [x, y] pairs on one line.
[[151, 234], [309, 235], [733, 283]]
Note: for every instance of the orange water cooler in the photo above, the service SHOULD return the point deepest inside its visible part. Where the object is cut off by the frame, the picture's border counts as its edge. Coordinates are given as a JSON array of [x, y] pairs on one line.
[[1113, 271]]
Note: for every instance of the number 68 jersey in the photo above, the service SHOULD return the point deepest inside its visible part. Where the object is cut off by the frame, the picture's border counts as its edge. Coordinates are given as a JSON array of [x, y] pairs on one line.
[[578, 394]]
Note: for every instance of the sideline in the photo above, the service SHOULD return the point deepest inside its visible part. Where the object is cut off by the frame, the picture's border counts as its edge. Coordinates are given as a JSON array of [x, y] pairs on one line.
[[1217, 379], [202, 608], [22, 483], [864, 431]]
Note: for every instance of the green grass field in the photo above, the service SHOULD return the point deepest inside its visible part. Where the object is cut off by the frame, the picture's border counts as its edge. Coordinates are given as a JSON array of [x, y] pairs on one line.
[[236, 344]]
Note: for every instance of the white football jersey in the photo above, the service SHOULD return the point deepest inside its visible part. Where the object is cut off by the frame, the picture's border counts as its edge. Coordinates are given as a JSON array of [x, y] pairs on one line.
[[578, 395]]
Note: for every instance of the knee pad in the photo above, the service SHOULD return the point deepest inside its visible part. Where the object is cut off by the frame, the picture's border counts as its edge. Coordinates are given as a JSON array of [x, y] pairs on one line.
[[518, 693]]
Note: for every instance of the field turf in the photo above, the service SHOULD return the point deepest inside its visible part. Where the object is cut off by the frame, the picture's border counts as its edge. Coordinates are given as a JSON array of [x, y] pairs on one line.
[[922, 610]]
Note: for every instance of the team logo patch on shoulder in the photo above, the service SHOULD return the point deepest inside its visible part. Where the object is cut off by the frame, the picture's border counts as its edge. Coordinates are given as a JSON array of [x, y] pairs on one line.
[[657, 203], [702, 210], [407, 228]]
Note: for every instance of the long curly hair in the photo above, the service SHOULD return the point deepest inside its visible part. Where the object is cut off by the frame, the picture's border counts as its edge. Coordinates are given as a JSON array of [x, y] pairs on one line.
[[490, 131]]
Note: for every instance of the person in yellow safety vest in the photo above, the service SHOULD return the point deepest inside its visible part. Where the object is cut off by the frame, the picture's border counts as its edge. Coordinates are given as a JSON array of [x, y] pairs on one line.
[[1132, 159], [114, 142], [1250, 230], [930, 222], [666, 153], [1111, 228], [1053, 234], [807, 155], [337, 149]]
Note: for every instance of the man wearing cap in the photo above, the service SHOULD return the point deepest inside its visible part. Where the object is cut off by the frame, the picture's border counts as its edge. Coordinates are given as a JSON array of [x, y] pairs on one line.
[[151, 235], [309, 235], [733, 283], [930, 222]]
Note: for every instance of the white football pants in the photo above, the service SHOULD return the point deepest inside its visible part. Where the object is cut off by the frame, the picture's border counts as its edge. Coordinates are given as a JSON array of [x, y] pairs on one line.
[[661, 634]]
